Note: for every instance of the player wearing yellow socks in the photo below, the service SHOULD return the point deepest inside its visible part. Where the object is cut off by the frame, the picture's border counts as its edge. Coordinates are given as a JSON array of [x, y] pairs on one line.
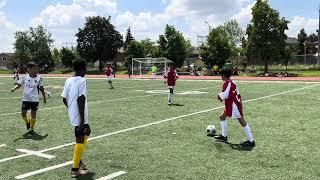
[[75, 98], [31, 83]]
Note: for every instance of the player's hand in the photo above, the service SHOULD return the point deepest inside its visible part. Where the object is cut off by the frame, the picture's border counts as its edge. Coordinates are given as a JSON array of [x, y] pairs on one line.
[[12, 90], [45, 100], [219, 98]]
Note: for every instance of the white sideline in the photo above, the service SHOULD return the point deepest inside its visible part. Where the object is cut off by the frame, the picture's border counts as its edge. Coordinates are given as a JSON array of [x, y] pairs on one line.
[[43, 170], [3, 145], [154, 123], [113, 175], [36, 153]]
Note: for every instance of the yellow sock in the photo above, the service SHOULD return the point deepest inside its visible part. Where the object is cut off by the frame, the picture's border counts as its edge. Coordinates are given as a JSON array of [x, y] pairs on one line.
[[32, 123], [77, 154], [26, 119], [85, 141]]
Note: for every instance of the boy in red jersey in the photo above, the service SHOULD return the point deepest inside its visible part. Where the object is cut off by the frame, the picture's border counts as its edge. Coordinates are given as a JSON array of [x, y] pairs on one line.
[[171, 76], [233, 109], [109, 72]]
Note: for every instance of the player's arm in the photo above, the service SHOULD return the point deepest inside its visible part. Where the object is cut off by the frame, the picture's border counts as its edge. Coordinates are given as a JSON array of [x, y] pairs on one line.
[[64, 94], [225, 92], [17, 86], [65, 102], [41, 88]]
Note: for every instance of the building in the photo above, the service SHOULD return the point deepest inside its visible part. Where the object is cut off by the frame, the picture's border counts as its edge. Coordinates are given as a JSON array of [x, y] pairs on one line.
[[6, 61]]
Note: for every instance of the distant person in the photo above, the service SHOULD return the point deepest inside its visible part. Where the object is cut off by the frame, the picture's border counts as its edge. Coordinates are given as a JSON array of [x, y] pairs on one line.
[[109, 72], [154, 70], [16, 76], [129, 71], [228, 65], [171, 76], [233, 109], [216, 70], [31, 83], [75, 99]]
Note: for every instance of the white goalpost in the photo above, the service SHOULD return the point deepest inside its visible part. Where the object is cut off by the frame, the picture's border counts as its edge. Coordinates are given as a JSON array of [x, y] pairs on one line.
[[141, 67]]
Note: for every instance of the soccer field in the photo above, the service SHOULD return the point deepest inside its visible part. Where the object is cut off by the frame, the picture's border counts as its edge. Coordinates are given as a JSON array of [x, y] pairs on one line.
[[137, 135]]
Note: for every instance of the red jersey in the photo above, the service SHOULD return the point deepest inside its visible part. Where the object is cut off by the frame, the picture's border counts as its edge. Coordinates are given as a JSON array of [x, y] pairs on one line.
[[232, 98], [171, 76], [109, 71]]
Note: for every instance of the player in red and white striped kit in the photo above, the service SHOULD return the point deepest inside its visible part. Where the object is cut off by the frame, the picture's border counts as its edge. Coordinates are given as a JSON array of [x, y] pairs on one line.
[[233, 109], [171, 76], [109, 72]]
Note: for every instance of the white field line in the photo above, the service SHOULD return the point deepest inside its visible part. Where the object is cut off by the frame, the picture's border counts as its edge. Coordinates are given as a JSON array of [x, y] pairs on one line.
[[110, 100], [43, 170], [113, 175], [36, 153], [3, 145], [154, 123]]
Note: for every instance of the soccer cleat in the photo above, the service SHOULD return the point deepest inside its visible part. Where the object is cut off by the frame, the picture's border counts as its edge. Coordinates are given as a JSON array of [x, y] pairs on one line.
[[32, 131], [83, 167], [248, 144], [169, 103], [76, 173], [49, 94], [221, 138]]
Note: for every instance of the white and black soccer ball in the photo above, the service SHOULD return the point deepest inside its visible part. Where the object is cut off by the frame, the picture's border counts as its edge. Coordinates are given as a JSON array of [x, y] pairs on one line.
[[211, 130]]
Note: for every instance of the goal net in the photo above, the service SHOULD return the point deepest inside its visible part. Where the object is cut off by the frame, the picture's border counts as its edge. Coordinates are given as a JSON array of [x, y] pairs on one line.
[[142, 67]]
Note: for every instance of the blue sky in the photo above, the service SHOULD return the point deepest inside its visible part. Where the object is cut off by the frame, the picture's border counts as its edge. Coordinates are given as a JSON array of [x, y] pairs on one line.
[[146, 17]]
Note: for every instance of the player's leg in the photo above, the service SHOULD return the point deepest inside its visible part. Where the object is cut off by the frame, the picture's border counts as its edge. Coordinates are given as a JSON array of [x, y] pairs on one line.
[[34, 109], [110, 82], [170, 95], [247, 131], [224, 128], [79, 148], [86, 136], [24, 110]]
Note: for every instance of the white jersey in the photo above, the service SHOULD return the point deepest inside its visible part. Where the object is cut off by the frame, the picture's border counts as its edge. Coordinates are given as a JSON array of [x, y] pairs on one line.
[[30, 87], [75, 87]]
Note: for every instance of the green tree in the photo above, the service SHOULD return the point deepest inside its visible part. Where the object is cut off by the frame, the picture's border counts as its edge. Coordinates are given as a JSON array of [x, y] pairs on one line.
[[67, 56], [287, 55], [56, 56], [150, 48], [302, 38], [217, 50], [235, 33], [129, 38], [266, 33], [98, 40], [173, 45], [134, 50], [33, 45]]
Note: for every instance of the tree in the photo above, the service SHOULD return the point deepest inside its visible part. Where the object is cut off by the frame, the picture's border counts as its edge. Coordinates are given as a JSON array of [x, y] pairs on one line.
[[302, 38], [33, 45], [173, 45], [235, 33], [56, 56], [150, 48], [217, 50], [98, 40], [134, 50], [287, 55], [266, 33], [129, 38], [67, 56]]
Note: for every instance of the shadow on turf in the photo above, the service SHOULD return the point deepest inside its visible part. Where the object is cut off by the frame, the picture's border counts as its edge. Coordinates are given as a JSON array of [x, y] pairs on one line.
[[176, 105], [89, 176], [238, 147], [35, 136]]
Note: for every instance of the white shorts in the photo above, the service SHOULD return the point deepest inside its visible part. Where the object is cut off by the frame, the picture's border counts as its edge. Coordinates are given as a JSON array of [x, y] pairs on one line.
[[170, 87], [109, 78]]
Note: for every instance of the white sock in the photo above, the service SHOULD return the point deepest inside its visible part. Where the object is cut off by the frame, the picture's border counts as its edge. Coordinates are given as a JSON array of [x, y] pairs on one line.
[[224, 128], [248, 133], [169, 97]]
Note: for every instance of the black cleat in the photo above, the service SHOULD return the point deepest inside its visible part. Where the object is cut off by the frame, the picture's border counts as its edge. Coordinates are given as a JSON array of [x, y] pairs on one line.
[[32, 131], [28, 125], [248, 144], [221, 138]]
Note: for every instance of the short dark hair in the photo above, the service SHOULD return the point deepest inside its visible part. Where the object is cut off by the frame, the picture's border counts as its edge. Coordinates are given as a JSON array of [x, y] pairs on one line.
[[226, 72], [79, 64], [31, 64]]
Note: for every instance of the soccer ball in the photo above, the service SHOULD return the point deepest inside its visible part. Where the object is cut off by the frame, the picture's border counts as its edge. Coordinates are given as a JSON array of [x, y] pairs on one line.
[[211, 130]]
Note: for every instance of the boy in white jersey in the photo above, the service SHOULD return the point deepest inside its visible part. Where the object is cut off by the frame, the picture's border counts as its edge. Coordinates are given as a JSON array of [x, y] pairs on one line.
[[75, 98], [31, 83]]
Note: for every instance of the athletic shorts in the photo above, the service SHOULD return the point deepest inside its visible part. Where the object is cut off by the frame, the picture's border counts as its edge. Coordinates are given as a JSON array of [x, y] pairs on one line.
[[81, 133], [170, 87], [109, 78], [26, 105]]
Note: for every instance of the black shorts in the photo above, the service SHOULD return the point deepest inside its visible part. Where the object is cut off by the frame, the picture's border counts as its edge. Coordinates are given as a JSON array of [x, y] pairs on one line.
[[81, 133], [26, 105]]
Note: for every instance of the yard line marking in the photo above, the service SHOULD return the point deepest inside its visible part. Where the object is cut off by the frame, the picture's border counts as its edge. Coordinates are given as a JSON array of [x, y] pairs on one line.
[[113, 175], [36, 153], [43, 170], [154, 123], [3, 145]]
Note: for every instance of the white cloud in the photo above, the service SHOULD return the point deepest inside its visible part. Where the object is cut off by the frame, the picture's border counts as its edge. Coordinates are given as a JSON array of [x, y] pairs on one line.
[[6, 33], [3, 3], [107, 5], [244, 16], [164, 2], [310, 25]]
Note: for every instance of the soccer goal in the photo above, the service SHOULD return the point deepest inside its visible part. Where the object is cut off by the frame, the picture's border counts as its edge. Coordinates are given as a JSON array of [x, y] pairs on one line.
[[142, 67]]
